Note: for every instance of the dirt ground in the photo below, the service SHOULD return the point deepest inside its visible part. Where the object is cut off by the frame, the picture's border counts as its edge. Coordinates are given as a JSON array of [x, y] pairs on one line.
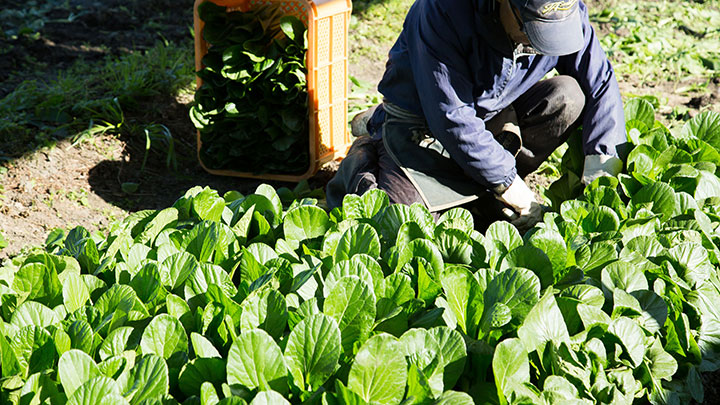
[[65, 186]]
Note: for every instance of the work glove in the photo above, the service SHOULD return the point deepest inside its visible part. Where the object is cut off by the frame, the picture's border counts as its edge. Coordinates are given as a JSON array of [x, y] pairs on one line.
[[600, 165], [522, 210]]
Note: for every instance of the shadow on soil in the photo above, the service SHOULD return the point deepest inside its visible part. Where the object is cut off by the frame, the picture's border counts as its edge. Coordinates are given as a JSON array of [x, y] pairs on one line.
[[43, 46]]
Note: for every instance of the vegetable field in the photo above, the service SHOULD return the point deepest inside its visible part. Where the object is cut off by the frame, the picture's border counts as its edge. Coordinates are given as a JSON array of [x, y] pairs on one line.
[[130, 276], [268, 298]]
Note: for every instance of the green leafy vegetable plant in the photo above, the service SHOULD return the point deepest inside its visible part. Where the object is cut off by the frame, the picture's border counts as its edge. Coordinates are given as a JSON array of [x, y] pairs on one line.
[[268, 298]]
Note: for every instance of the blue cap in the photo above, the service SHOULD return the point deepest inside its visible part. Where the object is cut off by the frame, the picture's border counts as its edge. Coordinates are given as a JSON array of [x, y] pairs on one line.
[[553, 27]]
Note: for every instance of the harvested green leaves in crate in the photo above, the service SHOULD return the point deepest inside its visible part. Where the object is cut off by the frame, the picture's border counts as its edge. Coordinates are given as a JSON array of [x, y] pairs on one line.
[[252, 110]]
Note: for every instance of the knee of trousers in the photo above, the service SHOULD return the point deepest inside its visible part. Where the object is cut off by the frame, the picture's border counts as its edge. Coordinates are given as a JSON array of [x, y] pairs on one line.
[[568, 97]]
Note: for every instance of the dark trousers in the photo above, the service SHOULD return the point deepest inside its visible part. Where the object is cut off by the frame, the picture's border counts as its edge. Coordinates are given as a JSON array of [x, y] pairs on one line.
[[547, 114]]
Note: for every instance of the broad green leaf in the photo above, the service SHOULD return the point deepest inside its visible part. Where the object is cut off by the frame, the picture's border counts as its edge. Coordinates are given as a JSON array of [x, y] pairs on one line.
[[374, 201], [552, 243], [202, 346], [38, 388], [392, 218], [465, 297], [200, 241], [113, 366], [398, 288], [177, 268], [115, 305], [408, 232], [255, 361], [510, 366], [517, 289], [81, 336], [557, 389], [265, 309], [575, 210], [38, 282], [164, 336], [253, 259], [33, 313], [418, 387], [459, 217], [645, 245], [360, 265], [75, 368], [454, 398], [208, 205], [269, 398], [34, 349], [262, 206], [97, 390], [200, 370], [62, 341], [705, 126], [136, 256], [313, 350], [657, 197], [352, 304], [505, 234], [708, 185], [532, 258], [591, 315], [75, 293], [352, 207], [166, 218], [543, 323], [601, 219], [361, 238], [425, 249], [208, 395], [586, 294], [654, 310], [305, 222], [624, 276], [630, 337], [379, 372], [9, 362], [453, 354], [148, 285], [640, 110], [149, 379], [598, 256], [269, 192], [661, 364], [422, 352], [116, 342], [455, 246], [691, 261]]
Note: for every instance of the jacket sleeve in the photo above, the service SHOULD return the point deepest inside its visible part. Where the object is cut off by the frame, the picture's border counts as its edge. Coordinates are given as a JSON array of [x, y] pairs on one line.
[[444, 85], [604, 120]]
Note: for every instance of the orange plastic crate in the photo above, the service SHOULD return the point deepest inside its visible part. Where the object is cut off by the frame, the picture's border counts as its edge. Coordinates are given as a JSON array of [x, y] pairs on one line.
[[327, 22]]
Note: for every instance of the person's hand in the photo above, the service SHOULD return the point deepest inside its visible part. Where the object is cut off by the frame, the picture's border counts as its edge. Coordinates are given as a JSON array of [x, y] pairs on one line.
[[600, 165], [522, 210]]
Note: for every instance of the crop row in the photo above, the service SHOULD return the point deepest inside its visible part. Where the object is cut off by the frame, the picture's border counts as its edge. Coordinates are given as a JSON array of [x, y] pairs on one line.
[[268, 298]]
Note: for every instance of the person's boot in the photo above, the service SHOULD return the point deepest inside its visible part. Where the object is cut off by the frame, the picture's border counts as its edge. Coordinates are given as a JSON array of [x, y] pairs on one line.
[[358, 125]]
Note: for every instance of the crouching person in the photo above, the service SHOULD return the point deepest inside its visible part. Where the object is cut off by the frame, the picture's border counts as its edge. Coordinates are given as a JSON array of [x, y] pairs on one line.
[[467, 113]]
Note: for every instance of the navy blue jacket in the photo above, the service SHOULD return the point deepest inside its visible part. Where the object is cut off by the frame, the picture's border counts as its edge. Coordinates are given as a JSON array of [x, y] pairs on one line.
[[453, 64]]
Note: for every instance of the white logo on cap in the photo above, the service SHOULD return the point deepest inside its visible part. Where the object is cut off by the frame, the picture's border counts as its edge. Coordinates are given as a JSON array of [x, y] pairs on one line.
[[558, 6]]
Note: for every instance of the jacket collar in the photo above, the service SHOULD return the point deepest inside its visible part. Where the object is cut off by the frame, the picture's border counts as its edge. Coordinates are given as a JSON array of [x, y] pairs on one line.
[[490, 29]]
